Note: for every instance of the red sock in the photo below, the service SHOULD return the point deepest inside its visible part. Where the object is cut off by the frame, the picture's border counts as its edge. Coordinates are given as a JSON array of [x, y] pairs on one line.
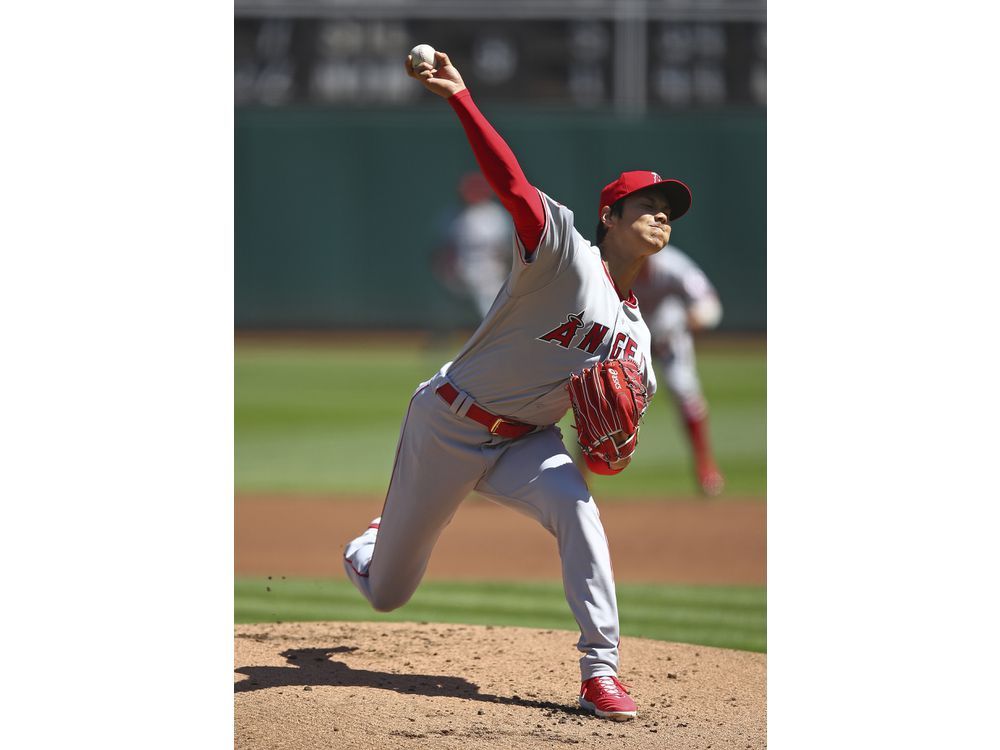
[[696, 421]]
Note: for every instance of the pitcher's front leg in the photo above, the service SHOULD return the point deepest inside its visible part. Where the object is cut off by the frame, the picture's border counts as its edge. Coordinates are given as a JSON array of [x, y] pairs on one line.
[[536, 476]]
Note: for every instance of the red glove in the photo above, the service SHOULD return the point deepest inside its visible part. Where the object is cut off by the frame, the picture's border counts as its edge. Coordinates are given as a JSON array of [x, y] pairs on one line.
[[608, 401]]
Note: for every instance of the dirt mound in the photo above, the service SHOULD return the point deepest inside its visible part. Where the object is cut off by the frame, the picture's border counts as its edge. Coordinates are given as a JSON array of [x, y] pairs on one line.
[[407, 685]]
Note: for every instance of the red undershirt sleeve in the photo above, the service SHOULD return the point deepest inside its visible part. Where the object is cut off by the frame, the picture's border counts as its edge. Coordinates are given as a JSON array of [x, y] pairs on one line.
[[500, 167]]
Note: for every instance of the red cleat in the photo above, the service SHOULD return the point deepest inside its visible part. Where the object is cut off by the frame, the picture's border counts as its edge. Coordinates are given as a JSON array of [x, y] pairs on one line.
[[607, 698]]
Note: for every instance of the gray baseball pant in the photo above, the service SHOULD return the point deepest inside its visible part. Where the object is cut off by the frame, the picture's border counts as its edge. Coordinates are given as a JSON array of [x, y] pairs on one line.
[[442, 456]]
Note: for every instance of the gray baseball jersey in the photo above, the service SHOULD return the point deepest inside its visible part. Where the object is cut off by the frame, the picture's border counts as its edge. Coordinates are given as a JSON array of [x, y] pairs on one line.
[[671, 273], [481, 235], [668, 285], [557, 313]]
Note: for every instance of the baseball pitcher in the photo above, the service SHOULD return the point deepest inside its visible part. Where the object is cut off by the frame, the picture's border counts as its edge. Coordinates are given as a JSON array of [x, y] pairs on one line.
[[564, 332]]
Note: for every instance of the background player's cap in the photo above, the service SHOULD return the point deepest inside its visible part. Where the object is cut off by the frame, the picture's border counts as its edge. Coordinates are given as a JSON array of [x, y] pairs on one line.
[[676, 192], [474, 188]]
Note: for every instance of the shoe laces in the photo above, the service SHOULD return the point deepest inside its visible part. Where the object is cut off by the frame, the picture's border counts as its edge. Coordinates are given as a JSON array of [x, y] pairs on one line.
[[610, 685]]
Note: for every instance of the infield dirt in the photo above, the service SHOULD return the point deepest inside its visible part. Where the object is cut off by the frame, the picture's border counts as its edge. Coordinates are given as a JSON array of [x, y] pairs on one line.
[[680, 541], [404, 685]]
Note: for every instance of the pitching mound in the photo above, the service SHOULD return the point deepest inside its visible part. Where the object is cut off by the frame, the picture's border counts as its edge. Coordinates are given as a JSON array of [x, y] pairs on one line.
[[405, 685]]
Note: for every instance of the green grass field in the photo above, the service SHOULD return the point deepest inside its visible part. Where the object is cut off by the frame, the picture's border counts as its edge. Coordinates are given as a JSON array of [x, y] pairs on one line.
[[313, 418], [723, 616]]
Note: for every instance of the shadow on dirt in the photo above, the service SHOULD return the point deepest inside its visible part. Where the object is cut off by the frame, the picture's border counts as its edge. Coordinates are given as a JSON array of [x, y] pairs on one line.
[[312, 667]]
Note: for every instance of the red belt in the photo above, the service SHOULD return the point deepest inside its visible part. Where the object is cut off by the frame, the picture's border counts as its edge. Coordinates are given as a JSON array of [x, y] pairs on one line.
[[496, 425]]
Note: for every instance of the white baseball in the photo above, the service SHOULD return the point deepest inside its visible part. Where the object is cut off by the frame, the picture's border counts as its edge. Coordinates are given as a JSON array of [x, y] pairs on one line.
[[420, 54]]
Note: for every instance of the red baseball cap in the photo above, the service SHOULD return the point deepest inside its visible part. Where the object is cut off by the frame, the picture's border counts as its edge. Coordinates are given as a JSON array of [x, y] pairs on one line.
[[676, 192]]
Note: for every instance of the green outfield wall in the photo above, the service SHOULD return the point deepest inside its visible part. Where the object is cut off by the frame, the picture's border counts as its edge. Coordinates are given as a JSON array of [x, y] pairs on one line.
[[338, 212]]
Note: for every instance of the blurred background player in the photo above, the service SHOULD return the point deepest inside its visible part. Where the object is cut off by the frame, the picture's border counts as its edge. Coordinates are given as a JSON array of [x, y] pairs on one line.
[[681, 300], [476, 257]]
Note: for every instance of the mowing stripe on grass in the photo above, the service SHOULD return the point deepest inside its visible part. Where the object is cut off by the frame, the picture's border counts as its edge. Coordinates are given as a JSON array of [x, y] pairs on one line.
[[300, 425], [724, 616]]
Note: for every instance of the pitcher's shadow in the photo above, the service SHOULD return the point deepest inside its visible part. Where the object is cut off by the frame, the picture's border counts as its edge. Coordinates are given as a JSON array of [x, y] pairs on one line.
[[310, 667]]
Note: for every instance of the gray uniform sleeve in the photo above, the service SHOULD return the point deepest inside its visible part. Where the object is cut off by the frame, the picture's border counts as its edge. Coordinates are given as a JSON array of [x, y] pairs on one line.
[[674, 273], [554, 252], [696, 285]]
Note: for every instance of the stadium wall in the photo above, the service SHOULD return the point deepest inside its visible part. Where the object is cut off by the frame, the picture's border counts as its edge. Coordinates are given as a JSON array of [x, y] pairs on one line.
[[337, 212]]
